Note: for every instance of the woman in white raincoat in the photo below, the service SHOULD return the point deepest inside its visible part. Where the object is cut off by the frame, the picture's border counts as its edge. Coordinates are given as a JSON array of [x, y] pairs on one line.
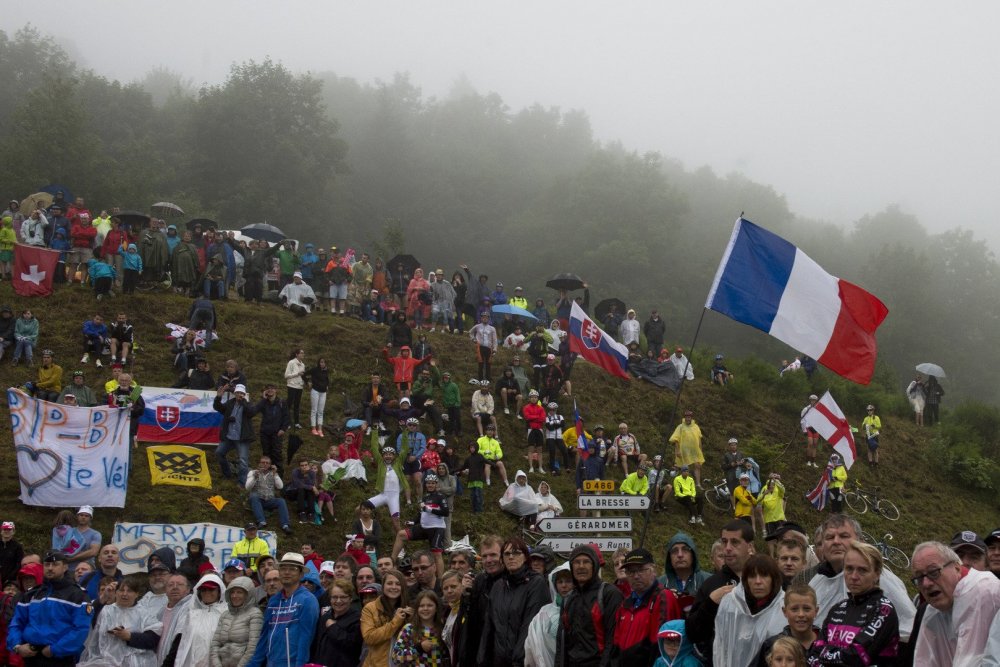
[[548, 505], [196, 629], [107, 643], [540, 643], [749, 614], [520, 499]]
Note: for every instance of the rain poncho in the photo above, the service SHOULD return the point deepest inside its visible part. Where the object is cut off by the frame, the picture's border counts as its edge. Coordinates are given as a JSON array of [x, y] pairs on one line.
[[958, 637], [540, 644], [738, 634], [554, 508], [198, 626], [688, 437], [831, 589], [103, 649], [298, 294], [685, 654], [519, 499]]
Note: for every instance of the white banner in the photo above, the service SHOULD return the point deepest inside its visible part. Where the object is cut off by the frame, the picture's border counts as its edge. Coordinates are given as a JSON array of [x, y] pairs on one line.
[[136, 541], [69, 456]]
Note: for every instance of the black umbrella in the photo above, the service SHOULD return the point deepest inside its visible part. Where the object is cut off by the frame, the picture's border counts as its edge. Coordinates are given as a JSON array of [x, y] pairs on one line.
[[409, 262], [263, 232], [132, 219], [566, 281], [204, 222], [602, 308]]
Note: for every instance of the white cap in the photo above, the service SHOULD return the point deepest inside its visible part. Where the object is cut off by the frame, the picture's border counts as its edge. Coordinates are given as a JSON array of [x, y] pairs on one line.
[[240, 389], [86, 509], [297, 274], [326, 566]]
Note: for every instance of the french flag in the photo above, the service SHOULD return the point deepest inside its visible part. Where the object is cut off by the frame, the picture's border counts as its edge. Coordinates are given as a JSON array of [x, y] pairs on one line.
[[590, 342], [768, 283], [184, 416]]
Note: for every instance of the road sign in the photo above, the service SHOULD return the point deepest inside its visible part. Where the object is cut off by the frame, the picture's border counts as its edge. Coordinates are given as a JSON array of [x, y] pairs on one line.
[[567, 544], [613, 502], [586, 524], [599, 485]]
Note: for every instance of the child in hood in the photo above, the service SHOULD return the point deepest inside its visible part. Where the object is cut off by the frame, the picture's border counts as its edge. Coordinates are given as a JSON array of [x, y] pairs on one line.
[[132, 266], [675, 649], [540, 643], [430, 459], [356, 549]]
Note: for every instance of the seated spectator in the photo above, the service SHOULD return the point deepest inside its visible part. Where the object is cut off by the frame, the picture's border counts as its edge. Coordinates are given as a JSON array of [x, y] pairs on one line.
[[371, 308], [636, 484], [25, 337], [482, 406], [400, 333], [720, 374], [198, 378], [681, 364], [510, 392], [185, 350], [298, 296], [302, 489], [83, 395], [122, 336], [521, 500], [95, 337], [49, 382], [263, 485], [7, 325], [515, 341], [230, 378]]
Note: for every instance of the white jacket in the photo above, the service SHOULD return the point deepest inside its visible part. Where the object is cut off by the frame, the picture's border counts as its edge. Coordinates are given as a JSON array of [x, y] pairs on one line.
[[103, 649], [738, 634], [958, 637], [629, 331]]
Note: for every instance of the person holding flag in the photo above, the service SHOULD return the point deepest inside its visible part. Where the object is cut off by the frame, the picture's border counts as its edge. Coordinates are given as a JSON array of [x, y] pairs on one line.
[[838, 478]]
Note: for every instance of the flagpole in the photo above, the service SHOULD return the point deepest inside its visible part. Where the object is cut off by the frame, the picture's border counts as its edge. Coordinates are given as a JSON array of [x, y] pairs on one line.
[[670, 422]]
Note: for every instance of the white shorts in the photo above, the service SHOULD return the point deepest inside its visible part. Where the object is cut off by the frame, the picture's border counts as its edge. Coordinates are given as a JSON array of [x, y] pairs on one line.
[[386, 500]]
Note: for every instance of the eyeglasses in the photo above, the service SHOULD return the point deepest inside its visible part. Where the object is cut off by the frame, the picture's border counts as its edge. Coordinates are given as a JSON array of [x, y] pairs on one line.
[[511, 554], [340, 597], [933, 574]]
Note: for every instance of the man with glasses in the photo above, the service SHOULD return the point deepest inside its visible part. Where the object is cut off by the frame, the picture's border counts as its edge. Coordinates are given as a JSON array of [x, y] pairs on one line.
[[290, 619], [961, 605], [641, 613], [425, 571]]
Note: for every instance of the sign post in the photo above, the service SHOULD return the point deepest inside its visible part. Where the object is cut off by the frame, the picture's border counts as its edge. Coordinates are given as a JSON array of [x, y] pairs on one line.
[[598, 486], [613, 502], [567, 544], [574, 524]]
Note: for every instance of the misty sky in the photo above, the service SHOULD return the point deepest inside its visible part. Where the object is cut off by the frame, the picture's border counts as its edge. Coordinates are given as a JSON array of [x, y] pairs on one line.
[[842, 107]]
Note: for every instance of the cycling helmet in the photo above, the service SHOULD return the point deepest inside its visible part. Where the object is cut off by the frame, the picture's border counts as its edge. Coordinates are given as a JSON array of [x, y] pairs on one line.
[[658, 457], [412, 421], [718, 357], [644, 466], [389, 450], [484, 383], [431, 477], [553, 406], [47, 353], [533, 392], [77, 373], [404, 565]]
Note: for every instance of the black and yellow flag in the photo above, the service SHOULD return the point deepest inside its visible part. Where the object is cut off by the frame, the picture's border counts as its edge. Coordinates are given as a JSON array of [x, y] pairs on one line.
[[178, 464]]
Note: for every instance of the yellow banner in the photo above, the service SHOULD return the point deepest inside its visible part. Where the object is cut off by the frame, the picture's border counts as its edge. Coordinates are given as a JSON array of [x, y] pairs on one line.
[[179, 465]]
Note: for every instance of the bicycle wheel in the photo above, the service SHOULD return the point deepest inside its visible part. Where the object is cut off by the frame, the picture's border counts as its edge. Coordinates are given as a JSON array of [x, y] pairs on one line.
[[896, 558], [714, 497], [856, 502], [867, 537], [888, 509]]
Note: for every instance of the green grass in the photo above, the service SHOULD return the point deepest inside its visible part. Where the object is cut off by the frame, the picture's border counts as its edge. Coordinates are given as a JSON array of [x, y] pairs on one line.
[[758, 409]]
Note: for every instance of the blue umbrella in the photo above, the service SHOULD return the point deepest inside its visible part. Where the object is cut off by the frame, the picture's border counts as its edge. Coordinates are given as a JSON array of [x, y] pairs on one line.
[[507, 309], [354, 423], [53, 188]]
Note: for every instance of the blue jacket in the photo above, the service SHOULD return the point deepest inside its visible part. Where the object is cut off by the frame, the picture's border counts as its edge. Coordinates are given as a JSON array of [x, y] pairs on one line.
[[91, 330], [131, 260], [56, 614], [592, 468], [309, 259], [287, 634], [59, 242], [411, 444], [99, 269], [685, 654]]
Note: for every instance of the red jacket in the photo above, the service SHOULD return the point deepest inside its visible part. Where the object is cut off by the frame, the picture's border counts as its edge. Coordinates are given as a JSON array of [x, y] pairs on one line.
[[359, 555], [83, 235], [534, 414], [402, 367], [114, 240], [636, 625]]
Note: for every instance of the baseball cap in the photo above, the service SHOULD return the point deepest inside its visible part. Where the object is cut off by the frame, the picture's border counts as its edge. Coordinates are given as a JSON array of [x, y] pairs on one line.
[[993, 537], [158, 565], [813, 397], [732, 440], [638, 557], [53, 555], [86, 509], [250, 526], [240, 389], [786, 527], [684, 468], [7, 525], [968, 538], [669, 635], [235, 563], [326, 566], [297, 274], [429, 477]]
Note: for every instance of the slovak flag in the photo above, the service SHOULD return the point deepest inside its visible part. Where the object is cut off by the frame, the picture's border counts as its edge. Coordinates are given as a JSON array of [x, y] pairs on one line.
[[766, 282], [581, 437], [185, 416], [590, 342], [817, 497], [829, 421], [34, 269]]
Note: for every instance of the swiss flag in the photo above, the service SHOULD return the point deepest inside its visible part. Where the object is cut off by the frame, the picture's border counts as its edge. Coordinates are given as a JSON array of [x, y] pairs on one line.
[[34, 269]]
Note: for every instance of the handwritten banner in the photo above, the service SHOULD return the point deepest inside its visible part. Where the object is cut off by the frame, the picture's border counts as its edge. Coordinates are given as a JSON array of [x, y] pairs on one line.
[[136, 541], [69, 456], [178, 465]]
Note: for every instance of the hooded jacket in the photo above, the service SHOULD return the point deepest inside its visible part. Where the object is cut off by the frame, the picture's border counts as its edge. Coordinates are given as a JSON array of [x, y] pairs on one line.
[[739, 632], [685, 654], [587, 624], [289, 625], [194, 560], [514, 600], [236, 636], [540, 643], [340, 642], [690, 586], [196, 626]]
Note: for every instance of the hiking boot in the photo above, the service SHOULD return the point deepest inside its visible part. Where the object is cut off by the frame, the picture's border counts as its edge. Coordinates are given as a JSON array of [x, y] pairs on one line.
[[287, 529]]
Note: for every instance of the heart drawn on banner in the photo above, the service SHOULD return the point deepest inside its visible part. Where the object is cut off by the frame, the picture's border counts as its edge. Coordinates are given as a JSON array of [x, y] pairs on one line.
[[36, 454]]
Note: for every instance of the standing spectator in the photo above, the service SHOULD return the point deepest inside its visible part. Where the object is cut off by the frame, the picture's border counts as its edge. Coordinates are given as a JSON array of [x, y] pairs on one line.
[[319, 383], [838, 479], [388, 481], [25, 337], [52, 620], [383, 618], [443, 308], [184, 265], [107, 567], [34, 229], [640, 615], [90, 539], [236, 431], [554, 423], [475, 467], [484, 335], [228, 380], [772, 501], [452, 403], [82, 235], [514, 600], [800, 612], [552, 379], [916, 392], [239, 625], [732, 462], [290, 620], [655, 329], [132, 267], [681, 572], [420, 642], [812, 436], [629, 329], [195, 624], [339, 275], [934, 394], [263, 485], [7, 324], [686, 439], [288, 260], [403, 367], [339, 632], [961, 605], [117, 636], [295, 374], [534, 414], [872, 425], [418, 299], [274, 423], [400, 332], [750, 613], [11, 552], [588, 618]]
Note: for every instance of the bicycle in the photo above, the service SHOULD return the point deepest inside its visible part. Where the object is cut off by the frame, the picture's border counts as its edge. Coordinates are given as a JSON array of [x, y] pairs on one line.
[[717, 495], [860, 499], [897, 558], [533, 537]]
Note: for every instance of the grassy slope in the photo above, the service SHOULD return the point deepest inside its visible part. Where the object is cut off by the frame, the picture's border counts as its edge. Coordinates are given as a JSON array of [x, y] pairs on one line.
[[764, 415]]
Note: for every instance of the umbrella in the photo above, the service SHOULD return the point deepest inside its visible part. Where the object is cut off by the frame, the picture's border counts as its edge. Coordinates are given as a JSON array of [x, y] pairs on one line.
[[31, 202], [168, 206], [566, 281], [263, 232], [409, 262], [132, 219], [354, 423], [508, 309], [602, 308], [204, 222], [931, 369], [53, 188]]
